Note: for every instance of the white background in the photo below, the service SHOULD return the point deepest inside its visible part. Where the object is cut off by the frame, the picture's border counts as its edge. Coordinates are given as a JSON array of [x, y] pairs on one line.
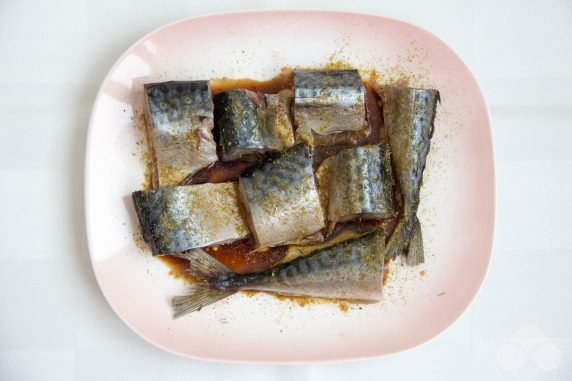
[[54, 322]]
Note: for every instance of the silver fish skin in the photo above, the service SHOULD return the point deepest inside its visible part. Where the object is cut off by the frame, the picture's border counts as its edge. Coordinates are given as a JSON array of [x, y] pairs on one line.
[[328, 101], [409, 116], [250, 123], [361, 184], [179, 127], [351, 270], [187, 217], [281, 198], [240, 119]]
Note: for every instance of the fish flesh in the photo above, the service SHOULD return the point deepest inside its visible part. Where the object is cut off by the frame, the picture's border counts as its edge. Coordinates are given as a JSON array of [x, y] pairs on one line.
[[241, 257], [328, 101], [324, 174], [351, 270], [219, 172], [281, 198], [279, 134], [409, 116], [251, 123], [179, 127], [187, 217], [361, 184]]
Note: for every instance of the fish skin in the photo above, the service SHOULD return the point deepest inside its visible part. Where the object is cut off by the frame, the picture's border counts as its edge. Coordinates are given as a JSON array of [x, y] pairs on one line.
[[361, 184], [181, 218], [240, 119], [281, 198], [328, 101], [251, 123], [409, 116], [351, 270], [179, 126], [341, 232]]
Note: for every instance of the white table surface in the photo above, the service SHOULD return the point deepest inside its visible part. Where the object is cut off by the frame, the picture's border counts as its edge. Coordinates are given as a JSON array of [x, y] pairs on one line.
[[54, 321]]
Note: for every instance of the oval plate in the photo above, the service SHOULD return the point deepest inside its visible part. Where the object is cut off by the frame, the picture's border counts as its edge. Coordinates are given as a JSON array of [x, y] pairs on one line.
[[457, 208]]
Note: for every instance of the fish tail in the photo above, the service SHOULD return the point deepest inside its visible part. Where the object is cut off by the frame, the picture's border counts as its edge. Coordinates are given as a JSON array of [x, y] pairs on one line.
[[201, 295], [215, 283], [415, 254], [397, 243]]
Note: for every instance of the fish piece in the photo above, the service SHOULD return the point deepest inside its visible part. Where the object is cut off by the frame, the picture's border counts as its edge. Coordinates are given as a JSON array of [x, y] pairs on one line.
[[328, 101], [341, 232], [179, 127], [186, 217], [325, 146], [351, 270], [409, 116], [251, 123], [281, 198], [361, 184], [240, 119], [328, 145], [279, 134]]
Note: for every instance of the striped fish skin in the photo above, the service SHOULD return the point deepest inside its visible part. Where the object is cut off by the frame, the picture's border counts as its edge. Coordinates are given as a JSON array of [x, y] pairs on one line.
[[361, 184], [340, 233], [281, 198], [328, 101], [179, 126], [351, 270], [348, 270], [409, 116], [251, 123], [180, 218], [240, 119]]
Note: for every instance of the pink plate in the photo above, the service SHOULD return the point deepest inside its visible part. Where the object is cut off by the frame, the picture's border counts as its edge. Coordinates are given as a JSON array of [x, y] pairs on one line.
[[457, 208]]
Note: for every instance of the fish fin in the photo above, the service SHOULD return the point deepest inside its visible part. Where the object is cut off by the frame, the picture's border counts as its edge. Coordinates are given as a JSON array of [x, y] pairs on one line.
[[207, 268], [415, 254], [202, 294], [203, 266], [396, 243]]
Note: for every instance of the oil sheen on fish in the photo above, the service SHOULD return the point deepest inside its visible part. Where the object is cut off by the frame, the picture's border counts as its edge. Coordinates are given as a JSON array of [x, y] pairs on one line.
[[328, 101], [409, 116], [187, 217], [251, 123], [281, 198], [351, 270], [179, 127], [361, 184]]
